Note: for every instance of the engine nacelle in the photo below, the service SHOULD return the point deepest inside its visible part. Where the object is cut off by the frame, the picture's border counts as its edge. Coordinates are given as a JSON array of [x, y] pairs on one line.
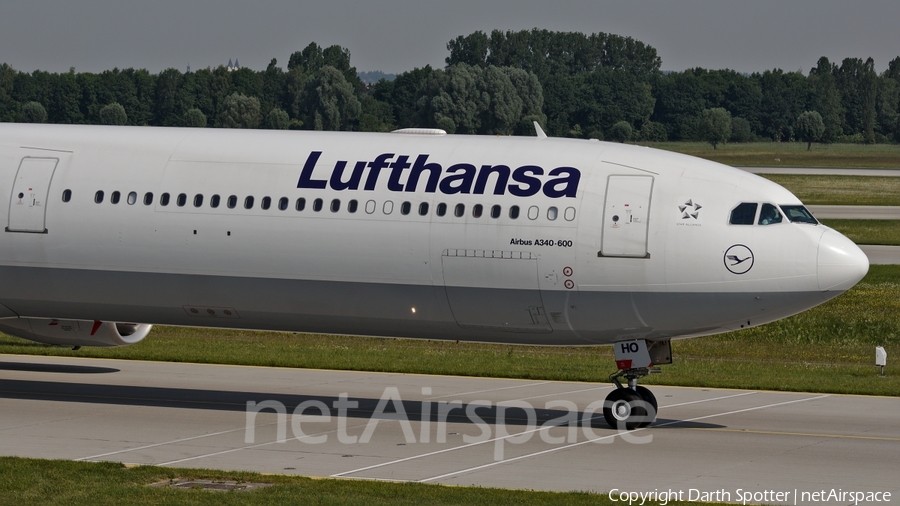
[[76, 332]]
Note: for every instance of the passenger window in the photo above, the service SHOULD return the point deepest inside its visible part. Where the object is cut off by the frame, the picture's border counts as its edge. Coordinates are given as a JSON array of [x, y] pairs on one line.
[[198, 200], [301, 204], [370, 206], [533, 212], [214, 201], [164, 199], [495, 211], [335, 205], [248, 202], [388, 207], [769, 215], [266, 203], [477, 210], [114, 197], [132, 198], [570, 214], [148, 198], [282, 203], [441, 209], [459, 210], [232, 202], [514, 212], [423, 208], [317, 205], [743, 214], [182, 200], [352, 206], [405, 208], [552, 212], [98, 197], [67, 195]]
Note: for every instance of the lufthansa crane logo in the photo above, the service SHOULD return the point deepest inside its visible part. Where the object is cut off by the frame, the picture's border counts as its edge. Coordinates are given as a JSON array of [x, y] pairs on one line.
[[738, 259]]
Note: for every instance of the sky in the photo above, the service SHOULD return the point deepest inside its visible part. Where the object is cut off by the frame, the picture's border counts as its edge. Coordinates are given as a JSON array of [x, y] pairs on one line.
[[398, 35]]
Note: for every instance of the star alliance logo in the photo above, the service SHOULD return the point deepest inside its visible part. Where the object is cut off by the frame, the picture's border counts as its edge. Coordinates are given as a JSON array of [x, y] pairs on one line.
[[690, 209]]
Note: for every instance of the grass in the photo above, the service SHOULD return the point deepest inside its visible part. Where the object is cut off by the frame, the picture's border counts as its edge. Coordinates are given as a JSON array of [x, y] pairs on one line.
[[51, 482], [841, 190], [879, 232], [826, 349], [790, 154]]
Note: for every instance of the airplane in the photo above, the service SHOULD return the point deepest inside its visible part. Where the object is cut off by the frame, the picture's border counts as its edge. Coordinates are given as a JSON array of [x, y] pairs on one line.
[[411, 234]]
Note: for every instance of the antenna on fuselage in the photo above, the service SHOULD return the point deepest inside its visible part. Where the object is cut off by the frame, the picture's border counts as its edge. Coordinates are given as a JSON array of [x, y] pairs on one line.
[[539, 131]]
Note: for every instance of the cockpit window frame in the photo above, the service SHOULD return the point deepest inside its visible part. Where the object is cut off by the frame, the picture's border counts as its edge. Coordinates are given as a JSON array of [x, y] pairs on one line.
[[786, 211], [745, 218]]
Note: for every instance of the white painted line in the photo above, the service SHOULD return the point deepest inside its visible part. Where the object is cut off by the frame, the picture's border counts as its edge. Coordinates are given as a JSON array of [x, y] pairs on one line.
[[169, 442], [564, 393], [521, 457], [489, 390], [232, 450], [707, 400], [445, 450]]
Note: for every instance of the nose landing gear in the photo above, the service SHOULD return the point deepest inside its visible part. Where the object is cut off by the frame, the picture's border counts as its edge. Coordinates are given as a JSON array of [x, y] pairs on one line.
[[632, 407]]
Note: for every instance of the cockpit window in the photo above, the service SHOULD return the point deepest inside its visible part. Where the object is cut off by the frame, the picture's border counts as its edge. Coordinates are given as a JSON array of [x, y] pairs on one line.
[[769, 215], [799, 214], [744, 214]]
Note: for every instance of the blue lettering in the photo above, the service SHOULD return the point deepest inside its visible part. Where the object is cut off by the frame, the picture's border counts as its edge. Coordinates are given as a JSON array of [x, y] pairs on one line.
[[520, 175], [465, 179], [571, 183], [434, 174], [306, 180]]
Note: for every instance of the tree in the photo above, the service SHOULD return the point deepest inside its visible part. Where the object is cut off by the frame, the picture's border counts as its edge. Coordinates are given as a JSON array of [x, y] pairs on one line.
[[33, 112], [825, 98], [740, 130], [328, 101], [239, 111], [652, 131], [621, 131], [277, 120], [715, 124], [194, 118], [113, 114], [810, 128]]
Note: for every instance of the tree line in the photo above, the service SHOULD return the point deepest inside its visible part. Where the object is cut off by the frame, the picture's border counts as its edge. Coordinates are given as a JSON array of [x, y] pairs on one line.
[[574, 85]]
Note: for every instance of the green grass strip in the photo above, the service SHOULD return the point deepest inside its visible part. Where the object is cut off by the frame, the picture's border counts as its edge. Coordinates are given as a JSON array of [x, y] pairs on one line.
[[877, 232], [830, 348], [51, 482], [790, 154], [841, 190]]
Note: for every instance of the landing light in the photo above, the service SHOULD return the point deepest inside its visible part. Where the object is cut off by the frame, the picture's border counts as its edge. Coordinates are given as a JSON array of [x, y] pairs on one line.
[[413, 310]]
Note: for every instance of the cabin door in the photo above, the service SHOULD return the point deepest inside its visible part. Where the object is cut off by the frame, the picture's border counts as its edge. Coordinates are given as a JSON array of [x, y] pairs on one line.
[[28, 202], [626, 216]]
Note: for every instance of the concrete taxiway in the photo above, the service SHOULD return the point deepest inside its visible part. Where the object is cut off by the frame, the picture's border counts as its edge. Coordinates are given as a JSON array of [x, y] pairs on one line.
[[445, 429], [827, 171]]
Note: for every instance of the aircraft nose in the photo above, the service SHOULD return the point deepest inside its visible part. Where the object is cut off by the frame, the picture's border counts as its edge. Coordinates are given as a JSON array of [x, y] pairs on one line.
[[841, 264]]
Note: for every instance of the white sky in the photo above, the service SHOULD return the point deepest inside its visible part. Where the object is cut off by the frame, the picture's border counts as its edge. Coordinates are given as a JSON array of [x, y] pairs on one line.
[[398, 35]]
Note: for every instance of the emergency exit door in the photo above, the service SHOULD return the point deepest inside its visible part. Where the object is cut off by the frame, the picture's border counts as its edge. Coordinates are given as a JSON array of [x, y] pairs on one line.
[[626, 216], [27, 204]]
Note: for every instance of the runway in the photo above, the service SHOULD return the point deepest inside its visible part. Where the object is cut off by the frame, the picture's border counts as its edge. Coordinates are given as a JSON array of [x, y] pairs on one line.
[[450, 430]]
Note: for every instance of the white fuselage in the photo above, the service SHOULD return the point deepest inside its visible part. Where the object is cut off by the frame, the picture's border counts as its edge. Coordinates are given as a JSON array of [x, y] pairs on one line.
[[610, 242]]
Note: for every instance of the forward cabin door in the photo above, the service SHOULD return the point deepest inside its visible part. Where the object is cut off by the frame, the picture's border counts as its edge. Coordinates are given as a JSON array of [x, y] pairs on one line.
[[626, 216], [28, 202]]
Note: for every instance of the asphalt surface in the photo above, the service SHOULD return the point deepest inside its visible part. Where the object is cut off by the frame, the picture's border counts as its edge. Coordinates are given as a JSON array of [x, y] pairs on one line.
[[704, 440]]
